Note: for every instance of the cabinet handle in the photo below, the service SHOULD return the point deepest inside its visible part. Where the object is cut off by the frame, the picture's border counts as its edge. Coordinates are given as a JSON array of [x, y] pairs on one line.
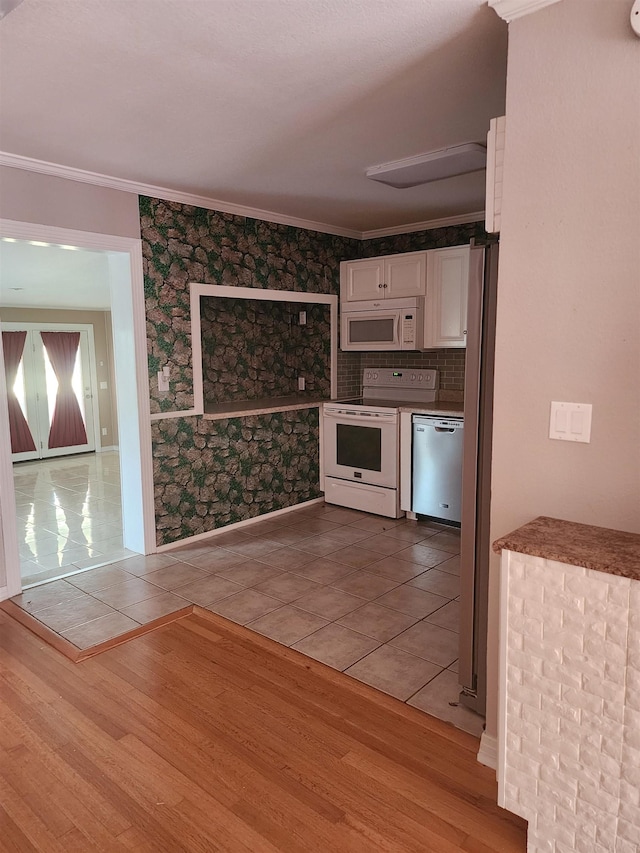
[[384, 285], [381, 285]]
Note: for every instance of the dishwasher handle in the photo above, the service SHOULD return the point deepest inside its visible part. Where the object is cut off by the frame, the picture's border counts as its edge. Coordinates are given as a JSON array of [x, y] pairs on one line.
[[438, 424]]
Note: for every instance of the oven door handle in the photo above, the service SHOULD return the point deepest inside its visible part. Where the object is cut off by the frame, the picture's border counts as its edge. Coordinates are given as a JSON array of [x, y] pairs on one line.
[[362, 418]]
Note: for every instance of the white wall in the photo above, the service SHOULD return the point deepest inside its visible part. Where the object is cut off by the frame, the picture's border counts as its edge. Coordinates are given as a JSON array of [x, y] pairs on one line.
[[568, 324], [32, 197]]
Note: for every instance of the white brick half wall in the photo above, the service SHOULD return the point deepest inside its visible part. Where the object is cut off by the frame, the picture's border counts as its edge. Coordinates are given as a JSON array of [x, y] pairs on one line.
[[569, 717]]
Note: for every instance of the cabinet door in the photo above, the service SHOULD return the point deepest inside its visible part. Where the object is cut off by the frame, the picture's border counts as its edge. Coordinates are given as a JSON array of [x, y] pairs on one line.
[[362, 279], [405, 275], [448, 282]]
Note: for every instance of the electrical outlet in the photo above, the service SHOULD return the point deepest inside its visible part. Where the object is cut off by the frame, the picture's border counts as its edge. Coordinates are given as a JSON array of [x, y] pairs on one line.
[[104, 430], [301, 383], [163, 382], [303, 318]]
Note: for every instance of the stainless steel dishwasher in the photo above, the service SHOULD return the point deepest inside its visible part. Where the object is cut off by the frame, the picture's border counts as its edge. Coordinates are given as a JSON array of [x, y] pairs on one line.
[[437, 467]]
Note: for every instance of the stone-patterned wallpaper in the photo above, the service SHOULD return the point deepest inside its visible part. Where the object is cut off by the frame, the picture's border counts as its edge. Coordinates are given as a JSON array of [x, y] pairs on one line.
[[182, 243], [212, 473], [253, 349], [208, 474]]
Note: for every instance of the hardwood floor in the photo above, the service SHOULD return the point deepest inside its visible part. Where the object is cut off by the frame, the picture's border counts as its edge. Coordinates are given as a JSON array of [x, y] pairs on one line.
[[203, 736]]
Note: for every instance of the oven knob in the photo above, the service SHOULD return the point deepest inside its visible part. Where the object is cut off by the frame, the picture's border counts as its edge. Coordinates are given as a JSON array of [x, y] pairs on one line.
[[413, 377], [420, 377]]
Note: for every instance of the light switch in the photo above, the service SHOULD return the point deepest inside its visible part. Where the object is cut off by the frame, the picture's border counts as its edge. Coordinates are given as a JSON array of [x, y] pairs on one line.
[[570, 421], [103, 386]]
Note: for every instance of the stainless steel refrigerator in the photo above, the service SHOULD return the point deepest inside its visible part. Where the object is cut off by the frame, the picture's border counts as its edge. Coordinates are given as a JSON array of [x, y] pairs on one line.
[[476, 476]]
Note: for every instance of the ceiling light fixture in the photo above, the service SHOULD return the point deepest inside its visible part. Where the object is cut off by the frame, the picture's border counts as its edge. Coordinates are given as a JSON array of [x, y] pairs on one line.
[[434, 166]]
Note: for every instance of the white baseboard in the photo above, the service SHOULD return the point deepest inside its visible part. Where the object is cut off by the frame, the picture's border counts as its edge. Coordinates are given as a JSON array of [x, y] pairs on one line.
[[488, 752], [105, 449], [211, 534], [4, 593]]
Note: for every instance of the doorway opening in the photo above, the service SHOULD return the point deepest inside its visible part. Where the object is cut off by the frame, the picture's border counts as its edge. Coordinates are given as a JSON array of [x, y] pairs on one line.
[[79, 492]]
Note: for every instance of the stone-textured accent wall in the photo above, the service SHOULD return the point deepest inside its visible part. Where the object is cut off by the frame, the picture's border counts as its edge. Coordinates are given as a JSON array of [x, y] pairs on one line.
[[203, 469], [211, 473], [570, 734], [253, 348], [434, 238], [181, 244]]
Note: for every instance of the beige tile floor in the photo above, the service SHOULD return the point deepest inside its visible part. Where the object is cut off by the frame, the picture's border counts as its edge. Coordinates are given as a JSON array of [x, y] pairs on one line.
[[69, 514], [373, 597]]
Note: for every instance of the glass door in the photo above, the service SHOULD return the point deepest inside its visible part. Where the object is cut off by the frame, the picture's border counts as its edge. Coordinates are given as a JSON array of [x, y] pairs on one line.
[[51, 394]]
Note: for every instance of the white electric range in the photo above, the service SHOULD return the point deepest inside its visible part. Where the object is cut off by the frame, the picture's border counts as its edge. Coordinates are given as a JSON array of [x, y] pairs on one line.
[[359, 445]]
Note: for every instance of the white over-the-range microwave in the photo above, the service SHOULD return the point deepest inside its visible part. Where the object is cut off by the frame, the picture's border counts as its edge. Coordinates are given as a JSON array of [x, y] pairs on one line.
[[384, 324]]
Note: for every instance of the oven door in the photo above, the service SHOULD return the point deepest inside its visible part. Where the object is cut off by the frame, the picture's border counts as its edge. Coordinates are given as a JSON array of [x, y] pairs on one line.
[[360, 446]]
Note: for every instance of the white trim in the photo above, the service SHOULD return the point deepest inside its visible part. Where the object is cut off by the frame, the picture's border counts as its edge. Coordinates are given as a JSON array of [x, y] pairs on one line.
[[211, 534], [107, 448], [136, 343], [69, 173], [185, 413], [8, 519], [509, 10], [462, 219], [488, 752], [68, 237]]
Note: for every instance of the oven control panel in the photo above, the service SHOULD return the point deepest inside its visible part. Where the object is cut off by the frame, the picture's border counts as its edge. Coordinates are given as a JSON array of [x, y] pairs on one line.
[[390, 377]]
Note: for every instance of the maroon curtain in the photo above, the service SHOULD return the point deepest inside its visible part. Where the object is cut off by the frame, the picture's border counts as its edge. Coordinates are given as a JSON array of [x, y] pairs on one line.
[[67, 426], [21, 438]]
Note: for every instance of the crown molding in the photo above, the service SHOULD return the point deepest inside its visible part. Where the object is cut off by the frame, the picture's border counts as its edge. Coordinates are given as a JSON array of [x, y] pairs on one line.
[[462, 219], [509, 10], [70, 173]]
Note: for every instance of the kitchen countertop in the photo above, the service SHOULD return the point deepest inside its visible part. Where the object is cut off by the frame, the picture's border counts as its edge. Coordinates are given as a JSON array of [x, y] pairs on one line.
[[616, 552], [444, 408], [244, 408]]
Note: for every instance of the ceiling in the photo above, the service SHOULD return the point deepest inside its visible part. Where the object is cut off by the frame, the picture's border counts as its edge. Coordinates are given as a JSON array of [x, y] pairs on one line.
[[45, 276], [277, 105], [280, 105]]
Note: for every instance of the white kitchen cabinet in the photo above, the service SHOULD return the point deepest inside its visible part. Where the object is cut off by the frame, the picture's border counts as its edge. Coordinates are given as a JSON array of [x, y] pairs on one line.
[[446, 307], [384, 277]]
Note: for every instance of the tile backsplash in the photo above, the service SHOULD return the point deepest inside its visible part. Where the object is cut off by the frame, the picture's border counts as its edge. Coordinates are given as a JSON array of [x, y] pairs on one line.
[[450, 364]]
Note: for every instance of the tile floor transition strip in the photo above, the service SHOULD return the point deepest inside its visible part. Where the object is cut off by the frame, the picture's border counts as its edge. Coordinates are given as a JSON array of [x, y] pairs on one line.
[[75, 653]]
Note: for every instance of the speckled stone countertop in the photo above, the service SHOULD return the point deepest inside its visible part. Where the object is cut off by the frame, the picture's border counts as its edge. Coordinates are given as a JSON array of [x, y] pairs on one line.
[[444, 408], [599, 548]]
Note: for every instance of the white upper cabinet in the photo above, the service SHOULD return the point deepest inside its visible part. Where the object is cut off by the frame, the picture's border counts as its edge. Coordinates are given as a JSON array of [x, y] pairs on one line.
[[386, 277], [446, 308]]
